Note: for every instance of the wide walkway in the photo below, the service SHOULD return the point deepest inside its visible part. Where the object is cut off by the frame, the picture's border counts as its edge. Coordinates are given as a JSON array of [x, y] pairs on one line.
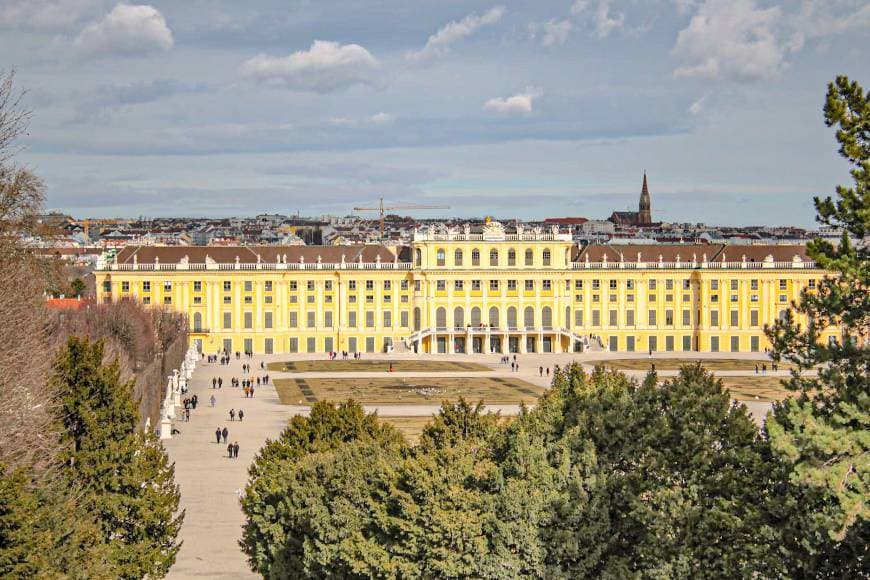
[[211, 482]]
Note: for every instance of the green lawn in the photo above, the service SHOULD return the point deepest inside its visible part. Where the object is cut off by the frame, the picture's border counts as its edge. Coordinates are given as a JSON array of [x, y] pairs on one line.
[[673, 364], [399, 390], [376, 366]]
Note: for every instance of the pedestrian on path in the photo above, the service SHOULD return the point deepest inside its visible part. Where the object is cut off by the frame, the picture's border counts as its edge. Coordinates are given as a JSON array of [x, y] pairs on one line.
[[214, 382], [213, 401], [217, 435], [541, 371], [232, 414], [236, 449], [225, 433], [241, 414], [230, 450]]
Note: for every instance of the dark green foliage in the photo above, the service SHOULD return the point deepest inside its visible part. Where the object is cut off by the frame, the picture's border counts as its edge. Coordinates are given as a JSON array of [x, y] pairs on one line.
[[124, 477], [823, 432]]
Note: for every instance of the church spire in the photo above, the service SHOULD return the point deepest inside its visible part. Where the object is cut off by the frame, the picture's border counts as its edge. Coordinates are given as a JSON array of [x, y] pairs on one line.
[[644, 214]]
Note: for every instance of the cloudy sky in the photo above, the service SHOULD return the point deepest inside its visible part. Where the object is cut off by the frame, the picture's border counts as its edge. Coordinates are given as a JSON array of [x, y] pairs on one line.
[[516, 109]]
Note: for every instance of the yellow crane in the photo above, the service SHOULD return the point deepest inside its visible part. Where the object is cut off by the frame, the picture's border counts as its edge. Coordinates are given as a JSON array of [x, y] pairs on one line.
[[382, 209]]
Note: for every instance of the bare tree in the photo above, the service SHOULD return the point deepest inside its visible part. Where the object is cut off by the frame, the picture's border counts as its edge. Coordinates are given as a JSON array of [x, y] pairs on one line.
[[13, 116]]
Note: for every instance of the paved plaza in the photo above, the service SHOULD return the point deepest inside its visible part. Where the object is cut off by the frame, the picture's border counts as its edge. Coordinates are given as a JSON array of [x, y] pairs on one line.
[[211, 482]]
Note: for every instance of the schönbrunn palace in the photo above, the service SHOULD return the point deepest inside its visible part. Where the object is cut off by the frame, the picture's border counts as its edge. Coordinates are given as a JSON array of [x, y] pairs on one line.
[[457, 290]]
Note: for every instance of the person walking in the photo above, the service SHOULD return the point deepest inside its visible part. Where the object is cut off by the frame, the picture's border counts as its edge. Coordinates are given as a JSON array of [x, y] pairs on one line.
[[541, 371], [212, 400], [217, 435], [232, 414], [230, 450], [252, 392], [214, 382], [225, 433], [220, 382], [241, 414], [236, 449]]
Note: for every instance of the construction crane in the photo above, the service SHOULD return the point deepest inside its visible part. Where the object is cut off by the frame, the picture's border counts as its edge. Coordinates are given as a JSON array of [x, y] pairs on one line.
[[382, 209]]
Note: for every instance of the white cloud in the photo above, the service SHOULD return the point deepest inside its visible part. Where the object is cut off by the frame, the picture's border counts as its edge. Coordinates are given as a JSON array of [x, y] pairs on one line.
[[372, 120], [519, 104], [44, 14], [697, 106], [600, 18], [822, 18], [326, 66], [127, 29], [439, 43], [731, 39], [555, 32]]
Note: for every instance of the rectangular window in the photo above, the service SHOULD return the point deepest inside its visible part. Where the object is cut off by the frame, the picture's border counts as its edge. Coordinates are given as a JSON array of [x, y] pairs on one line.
[[652, 285], [295, 299], [629, 284], [458, 285], [629, 297], [267, 285], [529, 285], [613, 318], [125, 286], [653, 344], [267, 322], [669, 284], [512, 285], [714, 318], [629, 317], [387, 298], [546, 285], [783, 284], [687, 343], [310, 285], [249, 300], [612, 284], [578, 297], [613, 343], [493, 285], [228, 299], [197, 299], [228, 285], [327, 285], [388, 285], [629, 343], [753, 343], [753, 284], [753, 298], [294, 320], [578, 318], [249, 286], [294, 344], [351, 285], [351, 344], [351, 319], [669, 343], [311, 344], [714, 284], [734, 298], [228, 320], [267, 299], [475, 285], [403, 319], [167, 286], [370, 285], [146, 286], [735, 344], [651, 319], [310, 298], [734, 285], [370, 344], [596, 318], [417, 285], [294, 286], [596, 284], [388, 319], [753, 318], [734, 318], [651, 298], [811, 284], [268, 346], [578, 284], [687, 317], [249, 320], [669, 317], [370, 318], [197, 286], [327, 319], [310, 319], [167, 300], [146, 300], [440, 285], [687, 284]]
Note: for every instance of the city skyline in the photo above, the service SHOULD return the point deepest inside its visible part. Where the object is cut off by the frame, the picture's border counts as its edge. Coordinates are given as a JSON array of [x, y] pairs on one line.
[[549, 109]]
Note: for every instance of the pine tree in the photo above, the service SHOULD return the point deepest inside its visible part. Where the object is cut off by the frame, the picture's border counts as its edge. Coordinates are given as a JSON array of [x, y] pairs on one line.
[[123, 476], [823, 432]]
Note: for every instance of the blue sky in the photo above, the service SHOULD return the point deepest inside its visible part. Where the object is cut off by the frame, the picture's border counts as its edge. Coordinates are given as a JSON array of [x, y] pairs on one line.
[[521, 109]]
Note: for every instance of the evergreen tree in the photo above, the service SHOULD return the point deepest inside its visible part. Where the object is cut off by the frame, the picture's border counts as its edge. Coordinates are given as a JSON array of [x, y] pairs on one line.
[[823, 431], [123, 476]]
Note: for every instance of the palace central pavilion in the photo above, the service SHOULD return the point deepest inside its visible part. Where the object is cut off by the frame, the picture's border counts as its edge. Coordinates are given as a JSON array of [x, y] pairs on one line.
[[458, 290]]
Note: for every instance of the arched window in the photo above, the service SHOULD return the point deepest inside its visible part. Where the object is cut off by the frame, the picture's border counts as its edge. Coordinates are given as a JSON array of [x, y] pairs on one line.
[[530, 257], [458, 317], [547, 256], [493, 317], [417, 318], [440, 257], [512, 317], [457, 258], [547, 317], [493, 257], [441, 317], [475, 316], [783, 314], [418, 257], [475, 257], [512, 257], [529, 317], [197, 321]]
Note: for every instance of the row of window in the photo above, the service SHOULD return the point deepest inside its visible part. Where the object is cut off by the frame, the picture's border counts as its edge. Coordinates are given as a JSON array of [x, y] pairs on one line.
[[310, 320], [632, 344], [459, 257]]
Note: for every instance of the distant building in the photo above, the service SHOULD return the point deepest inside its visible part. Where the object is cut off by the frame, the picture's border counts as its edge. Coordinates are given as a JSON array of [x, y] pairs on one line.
[[640, 218]]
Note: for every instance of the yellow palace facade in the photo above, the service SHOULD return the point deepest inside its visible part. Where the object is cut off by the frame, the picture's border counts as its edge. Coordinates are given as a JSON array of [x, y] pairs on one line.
[[463, 291]]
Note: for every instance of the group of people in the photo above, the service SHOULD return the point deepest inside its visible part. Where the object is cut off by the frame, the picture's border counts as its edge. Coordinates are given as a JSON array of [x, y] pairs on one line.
[[222, 358], [773, 366], [189, 404], [223, 435], [233, 415], [345, 355]]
